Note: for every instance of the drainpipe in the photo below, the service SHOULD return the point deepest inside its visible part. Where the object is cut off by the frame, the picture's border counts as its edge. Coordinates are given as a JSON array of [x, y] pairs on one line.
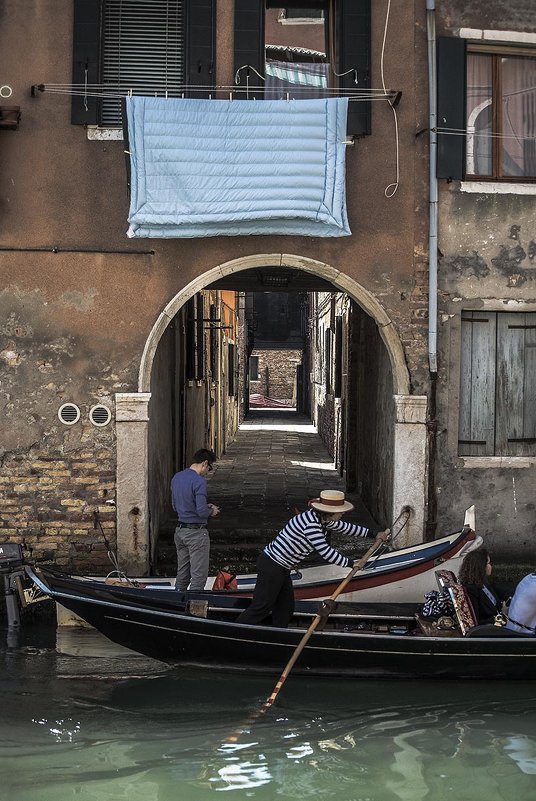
[[433, 201], [431, 525]]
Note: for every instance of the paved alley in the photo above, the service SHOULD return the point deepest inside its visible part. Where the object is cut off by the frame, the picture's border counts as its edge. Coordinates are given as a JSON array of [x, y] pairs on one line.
[[275, 465]]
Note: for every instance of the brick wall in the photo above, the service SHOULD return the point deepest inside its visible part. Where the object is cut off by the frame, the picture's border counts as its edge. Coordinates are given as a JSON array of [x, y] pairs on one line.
[[277, 373], [49, 504], [326, 423]]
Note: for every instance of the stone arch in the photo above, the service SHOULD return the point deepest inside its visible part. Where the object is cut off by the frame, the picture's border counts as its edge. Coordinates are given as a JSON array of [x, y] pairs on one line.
[[363, 297], [409, 454]]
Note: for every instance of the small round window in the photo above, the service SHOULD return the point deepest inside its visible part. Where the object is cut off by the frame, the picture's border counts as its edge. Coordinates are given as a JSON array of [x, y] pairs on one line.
[[69, 414], [100, 415]]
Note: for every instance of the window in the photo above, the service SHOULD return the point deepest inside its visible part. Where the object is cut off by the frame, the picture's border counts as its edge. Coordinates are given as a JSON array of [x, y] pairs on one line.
[[293, 14], [254, 368], [142, 49], [305, 59], [497, 384], [145, 46], [501, 115], [297, 59], [489, 94]]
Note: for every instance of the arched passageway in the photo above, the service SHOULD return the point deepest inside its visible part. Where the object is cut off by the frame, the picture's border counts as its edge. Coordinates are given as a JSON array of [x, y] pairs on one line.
[[379, 424]]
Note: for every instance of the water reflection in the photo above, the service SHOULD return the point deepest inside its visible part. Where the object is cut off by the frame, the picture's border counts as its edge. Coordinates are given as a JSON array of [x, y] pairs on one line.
[[97, 728]]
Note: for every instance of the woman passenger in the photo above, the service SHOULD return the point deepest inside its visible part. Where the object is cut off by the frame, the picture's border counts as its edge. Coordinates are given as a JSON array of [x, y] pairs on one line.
[[486, 597]]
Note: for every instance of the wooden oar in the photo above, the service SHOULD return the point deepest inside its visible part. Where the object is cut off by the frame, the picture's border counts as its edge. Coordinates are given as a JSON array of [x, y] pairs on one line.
[[327, 607], [316, 620]]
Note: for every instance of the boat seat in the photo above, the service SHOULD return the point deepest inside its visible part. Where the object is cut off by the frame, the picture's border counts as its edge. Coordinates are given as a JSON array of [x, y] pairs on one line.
[[460, 599], [491, 630]]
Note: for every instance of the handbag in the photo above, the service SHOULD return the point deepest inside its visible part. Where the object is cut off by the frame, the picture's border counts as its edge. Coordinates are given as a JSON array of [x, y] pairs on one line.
[[225, 580]]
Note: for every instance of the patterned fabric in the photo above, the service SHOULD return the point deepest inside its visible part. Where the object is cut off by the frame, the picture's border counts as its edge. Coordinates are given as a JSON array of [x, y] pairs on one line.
[[304, 534], [437, 604], [462, 605]]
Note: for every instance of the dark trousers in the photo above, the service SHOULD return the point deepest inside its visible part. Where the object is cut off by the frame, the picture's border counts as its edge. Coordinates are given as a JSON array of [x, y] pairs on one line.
[[273, 593]]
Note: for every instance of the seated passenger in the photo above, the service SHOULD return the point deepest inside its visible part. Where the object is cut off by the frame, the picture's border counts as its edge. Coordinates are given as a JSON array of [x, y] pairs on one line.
[[486, 597], [522, 610]]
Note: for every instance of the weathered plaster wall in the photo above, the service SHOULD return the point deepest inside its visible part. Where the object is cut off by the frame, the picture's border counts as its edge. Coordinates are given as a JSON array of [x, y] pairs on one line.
[[503, 15], [487, 262], [487, 246]]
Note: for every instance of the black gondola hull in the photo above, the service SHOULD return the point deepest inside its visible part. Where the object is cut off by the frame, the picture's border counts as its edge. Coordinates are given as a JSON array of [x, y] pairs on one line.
[[158, 624]]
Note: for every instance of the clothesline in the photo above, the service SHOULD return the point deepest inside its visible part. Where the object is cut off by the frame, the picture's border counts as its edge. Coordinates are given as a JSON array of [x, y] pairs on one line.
[[117, 91]]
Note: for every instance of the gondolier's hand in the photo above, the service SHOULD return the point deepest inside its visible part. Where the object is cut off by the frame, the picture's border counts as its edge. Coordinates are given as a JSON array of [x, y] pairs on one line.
[[383, 536]]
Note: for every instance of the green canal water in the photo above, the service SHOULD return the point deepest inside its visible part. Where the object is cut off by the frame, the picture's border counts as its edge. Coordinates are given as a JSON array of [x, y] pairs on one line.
[[82, 721]]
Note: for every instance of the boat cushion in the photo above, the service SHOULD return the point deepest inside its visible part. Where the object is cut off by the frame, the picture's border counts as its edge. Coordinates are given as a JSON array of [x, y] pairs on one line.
[[460, 599]]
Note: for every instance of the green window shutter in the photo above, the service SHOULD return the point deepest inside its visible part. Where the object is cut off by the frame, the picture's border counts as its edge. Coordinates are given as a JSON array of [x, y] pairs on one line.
[[86, 59], [476, 431], [451, 102], [516, 385], [249, 40], [201, 47], [354, 37]]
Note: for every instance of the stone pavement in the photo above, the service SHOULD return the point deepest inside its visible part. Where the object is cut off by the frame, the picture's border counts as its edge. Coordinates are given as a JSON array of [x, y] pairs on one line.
[[275, 465]]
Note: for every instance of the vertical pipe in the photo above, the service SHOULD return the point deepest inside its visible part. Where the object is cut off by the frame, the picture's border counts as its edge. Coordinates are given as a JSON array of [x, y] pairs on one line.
[[430, 528], [433, 200]]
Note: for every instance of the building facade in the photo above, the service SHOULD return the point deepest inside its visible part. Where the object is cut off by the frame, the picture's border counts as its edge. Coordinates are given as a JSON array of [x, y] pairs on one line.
[[486, 380], [93, 318]]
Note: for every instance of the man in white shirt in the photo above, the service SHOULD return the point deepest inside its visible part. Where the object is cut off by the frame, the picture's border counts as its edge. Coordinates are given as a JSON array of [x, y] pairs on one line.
[[522, 609]]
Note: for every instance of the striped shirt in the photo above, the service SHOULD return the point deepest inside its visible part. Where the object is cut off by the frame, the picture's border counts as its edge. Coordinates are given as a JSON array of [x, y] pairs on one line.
[[305, 533]]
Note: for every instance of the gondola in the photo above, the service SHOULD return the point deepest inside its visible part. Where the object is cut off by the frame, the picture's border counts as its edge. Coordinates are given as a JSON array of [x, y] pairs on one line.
[[357, 640], [405, 574]]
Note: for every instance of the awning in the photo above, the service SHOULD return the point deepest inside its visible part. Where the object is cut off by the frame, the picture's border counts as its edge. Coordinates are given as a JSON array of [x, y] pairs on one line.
[[298, 74], [222, 167]]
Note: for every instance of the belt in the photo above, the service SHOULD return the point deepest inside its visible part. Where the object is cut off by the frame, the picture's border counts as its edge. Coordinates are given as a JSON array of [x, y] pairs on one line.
[[191, 525], [521, 625]]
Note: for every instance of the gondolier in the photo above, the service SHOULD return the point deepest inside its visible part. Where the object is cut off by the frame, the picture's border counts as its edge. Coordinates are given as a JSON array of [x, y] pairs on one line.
[[303, 534]]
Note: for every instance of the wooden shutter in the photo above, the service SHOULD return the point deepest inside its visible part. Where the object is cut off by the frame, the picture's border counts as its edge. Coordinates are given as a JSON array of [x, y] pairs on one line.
[[249, 40], [201, 48], [476, 432], [516, 384], [327, 356], [200, 336], [86, 59], [353, 52], [337, 389], [451, 107], [190, 341], [231, 363]]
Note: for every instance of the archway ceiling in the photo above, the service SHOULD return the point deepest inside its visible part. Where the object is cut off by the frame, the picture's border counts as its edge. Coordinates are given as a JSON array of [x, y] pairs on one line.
[[272, 279]]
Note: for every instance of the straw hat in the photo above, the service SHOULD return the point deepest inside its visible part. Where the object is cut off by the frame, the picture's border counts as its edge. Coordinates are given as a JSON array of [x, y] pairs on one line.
[[331, 501]]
